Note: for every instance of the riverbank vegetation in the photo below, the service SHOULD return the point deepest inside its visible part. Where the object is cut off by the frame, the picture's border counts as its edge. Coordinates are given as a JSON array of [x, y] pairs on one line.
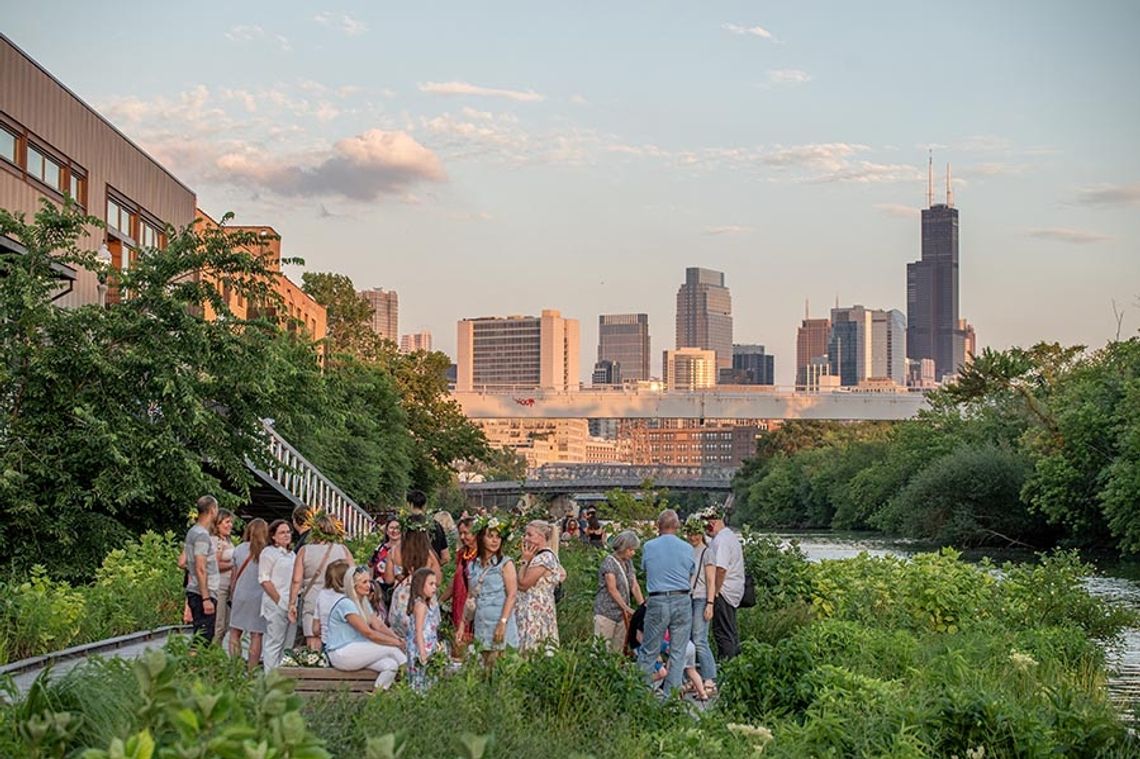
[[1037, 447], [869, 656]]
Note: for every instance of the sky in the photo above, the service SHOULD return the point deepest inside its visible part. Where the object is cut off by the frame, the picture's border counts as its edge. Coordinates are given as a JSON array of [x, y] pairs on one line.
[[500, 158]]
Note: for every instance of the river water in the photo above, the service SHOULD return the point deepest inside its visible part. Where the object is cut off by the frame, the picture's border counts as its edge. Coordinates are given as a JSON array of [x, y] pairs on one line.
[[1115, 581]]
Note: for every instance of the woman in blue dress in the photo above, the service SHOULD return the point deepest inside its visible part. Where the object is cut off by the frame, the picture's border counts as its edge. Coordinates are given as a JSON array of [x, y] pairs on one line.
[[494, 585]]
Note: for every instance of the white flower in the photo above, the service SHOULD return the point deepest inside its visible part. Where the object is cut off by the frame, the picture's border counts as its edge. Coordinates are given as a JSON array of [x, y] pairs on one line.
[[1021, 661]]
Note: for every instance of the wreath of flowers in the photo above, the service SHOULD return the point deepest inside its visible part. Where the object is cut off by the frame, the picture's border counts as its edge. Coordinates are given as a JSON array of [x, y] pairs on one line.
[[313, 519], [694, 525], [500, 524], [410, 522]]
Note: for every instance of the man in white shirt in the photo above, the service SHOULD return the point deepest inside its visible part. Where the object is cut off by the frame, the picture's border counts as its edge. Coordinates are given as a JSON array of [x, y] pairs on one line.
[[723, 600]]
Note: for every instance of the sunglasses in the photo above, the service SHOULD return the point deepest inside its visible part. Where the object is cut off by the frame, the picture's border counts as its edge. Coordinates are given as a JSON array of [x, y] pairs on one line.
[[360, 571]]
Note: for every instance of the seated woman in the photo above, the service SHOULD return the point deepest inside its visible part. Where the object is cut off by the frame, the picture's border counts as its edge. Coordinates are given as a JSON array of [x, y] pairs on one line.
[[358, 639], [332, 592]]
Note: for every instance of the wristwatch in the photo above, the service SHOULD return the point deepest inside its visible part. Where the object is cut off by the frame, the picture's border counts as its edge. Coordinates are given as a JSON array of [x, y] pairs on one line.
[[502, 620]]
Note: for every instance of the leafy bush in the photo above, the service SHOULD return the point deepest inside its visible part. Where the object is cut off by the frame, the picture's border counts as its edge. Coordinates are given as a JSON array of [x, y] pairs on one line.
[[39, 615], [137, 587]]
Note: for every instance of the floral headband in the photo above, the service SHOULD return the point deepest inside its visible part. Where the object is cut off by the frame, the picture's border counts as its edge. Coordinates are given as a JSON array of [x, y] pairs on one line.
[[499, 524], [413, 522], [313, 519]]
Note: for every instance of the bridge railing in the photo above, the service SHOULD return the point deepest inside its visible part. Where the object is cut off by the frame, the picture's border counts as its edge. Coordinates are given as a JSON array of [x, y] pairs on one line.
[[297, 475], [658, 474]]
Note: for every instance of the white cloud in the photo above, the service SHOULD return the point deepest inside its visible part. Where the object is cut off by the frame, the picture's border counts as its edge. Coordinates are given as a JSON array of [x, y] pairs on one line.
[[729, 229], [1063, 234], [898, 210], [251, 32], [578, 100], [753, 31], [1110, 195], [788, 76], [466, 88], [360, 168], [343, 23], [829, 156]]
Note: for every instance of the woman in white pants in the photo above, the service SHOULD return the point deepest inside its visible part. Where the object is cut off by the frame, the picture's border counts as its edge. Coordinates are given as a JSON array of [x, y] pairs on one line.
[[358, 639], [275, 572]]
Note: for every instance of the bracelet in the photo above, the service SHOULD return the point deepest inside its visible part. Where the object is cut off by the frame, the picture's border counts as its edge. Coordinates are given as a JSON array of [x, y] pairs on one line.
[[502, 620], [710, 603]]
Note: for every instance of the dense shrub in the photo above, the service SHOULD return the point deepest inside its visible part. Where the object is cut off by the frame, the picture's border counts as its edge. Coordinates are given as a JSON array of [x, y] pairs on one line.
[[137, 587]]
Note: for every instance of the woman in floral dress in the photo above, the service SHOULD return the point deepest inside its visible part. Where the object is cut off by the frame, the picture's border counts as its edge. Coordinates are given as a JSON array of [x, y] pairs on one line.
[[539, 573]]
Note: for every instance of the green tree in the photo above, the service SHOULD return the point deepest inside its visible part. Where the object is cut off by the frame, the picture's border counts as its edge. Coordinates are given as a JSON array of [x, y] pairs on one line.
[[967, 497], [113, 420], [440, 434]]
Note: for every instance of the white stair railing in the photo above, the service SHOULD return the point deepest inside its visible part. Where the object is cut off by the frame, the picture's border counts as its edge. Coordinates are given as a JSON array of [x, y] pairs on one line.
[[306, 483]]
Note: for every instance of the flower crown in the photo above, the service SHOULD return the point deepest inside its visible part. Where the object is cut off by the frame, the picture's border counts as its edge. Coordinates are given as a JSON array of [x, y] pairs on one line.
[[500, 524], [313, 518], [413, 522], [694, 525]]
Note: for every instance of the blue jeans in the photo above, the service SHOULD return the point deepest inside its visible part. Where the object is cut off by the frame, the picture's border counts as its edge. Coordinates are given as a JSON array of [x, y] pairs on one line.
[[705, 661], [672, 613]]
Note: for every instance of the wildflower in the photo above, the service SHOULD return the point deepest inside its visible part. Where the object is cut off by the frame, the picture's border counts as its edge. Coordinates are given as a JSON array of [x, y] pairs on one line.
[[759, 737], [1020, 661]]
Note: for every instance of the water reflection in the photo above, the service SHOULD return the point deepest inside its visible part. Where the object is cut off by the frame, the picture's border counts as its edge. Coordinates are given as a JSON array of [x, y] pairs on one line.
[[1119, 583]]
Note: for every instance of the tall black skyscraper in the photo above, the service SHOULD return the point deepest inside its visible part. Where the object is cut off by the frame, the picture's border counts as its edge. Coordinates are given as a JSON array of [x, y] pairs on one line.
[[932, 329], [624, 340]]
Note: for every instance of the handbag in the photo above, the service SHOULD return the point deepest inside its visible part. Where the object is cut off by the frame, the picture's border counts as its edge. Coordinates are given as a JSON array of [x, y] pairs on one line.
[[233, 585], [469, 604], [312, 582]]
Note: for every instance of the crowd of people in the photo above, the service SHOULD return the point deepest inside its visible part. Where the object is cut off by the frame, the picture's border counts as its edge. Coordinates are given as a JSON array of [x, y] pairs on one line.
[[294, 584]]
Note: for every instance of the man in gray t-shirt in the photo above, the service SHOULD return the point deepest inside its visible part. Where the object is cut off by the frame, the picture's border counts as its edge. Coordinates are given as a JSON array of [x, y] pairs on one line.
[[728, 558], [202, 567]]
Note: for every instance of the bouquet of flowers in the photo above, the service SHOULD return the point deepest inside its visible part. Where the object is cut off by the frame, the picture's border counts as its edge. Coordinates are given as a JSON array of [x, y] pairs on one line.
[[303, 657]]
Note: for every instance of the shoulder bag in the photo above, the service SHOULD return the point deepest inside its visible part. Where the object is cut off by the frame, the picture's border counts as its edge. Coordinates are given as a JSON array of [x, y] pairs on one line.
[[472, 598]]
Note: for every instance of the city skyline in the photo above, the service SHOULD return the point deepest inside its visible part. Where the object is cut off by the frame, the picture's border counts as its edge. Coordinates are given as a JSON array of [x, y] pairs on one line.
[[489, 165]]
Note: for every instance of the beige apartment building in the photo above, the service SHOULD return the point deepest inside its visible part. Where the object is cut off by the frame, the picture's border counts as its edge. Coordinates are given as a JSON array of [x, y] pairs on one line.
[[385, 312], [540, 441], [518, 353], [690, 369], [54, 146]]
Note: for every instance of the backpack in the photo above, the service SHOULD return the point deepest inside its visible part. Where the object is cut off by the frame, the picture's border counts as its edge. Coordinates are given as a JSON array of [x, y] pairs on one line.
[[559, 593], [748, 600]]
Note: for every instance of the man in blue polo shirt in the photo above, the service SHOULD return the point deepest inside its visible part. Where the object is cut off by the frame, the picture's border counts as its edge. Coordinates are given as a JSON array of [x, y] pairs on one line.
[[669, 566]]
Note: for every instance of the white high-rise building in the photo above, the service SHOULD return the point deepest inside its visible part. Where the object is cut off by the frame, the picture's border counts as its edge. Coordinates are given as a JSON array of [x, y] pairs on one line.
[[888, 346], [518, 352]]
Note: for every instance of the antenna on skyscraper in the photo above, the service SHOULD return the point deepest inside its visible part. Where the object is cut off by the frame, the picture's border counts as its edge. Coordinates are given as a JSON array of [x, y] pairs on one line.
[[949, 188], [930, 178], [807, 309]]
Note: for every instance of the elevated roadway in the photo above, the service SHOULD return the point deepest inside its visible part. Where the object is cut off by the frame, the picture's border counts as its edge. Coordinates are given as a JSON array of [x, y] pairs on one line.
[[775, 403], [572, 479]]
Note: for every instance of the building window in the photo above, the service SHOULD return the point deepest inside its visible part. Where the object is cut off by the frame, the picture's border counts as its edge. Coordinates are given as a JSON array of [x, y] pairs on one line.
[[121, 218], [77, 186], [8, 146], [149, 236], [44, 169]]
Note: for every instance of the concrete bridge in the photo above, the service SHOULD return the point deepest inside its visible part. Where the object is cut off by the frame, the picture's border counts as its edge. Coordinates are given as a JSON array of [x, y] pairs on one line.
[[574, 479], [757, 402]]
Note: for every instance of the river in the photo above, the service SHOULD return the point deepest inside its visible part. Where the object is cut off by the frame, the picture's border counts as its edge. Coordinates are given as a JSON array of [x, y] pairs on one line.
[[1119, 582]]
